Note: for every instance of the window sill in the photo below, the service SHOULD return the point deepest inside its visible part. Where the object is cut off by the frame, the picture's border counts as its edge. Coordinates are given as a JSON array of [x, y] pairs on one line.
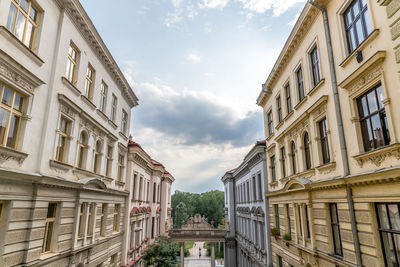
[[270, 136], [60, 165], [364, 43], [315, 88], [119, 183], [7, 153], [273, 184], [21, 46], [70, 86], [102, 114], [88, 102], [113, 124], [108, 179], [47, 255], [85, 172], [378, 155], [288, 115], [123, 136], [298, 105], [326, 166], [279, 125]]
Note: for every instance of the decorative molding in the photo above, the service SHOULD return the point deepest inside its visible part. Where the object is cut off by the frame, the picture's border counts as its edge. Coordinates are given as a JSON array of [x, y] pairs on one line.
[[60, 167], [17, 75], [377, 156], [362, 81], [70, 86], [7, 154]]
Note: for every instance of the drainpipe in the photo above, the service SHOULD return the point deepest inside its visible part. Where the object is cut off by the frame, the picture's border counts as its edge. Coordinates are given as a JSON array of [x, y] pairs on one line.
[[266, 207], [341, 130]]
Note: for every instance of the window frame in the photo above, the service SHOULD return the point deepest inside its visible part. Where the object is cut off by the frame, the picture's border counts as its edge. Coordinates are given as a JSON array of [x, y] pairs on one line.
[[97, 156], [89, 82], [72, 63], [103, 219], [12, 113], [289, 107], [276, 214], [2, 210], [63, 135], [288, 222], [381, 112], [117, 208], [109, 160], [270, 121], [82, 150], [91, 213], [27, 19], [315, 67], [361, 16], [300, 84], [124, 122], [81, 224], [293, 157], [49, 220], [300, 219], [121, 167], [273, 168], [279, 108], [113, 113], [324, 141], [337, 248], [307, 151], [103, 97], [283, 162]]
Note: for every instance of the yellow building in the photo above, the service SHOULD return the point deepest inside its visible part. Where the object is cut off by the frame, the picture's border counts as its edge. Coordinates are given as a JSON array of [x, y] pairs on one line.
[[332, 130]]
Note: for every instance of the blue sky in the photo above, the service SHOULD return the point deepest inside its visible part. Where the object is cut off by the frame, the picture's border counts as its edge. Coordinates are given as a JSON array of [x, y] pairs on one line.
[[197, 69]]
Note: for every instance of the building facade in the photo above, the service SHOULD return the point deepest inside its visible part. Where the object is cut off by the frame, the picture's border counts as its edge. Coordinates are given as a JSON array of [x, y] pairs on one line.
[[65, 115], [148, 205], [246, 212], [332, 143]]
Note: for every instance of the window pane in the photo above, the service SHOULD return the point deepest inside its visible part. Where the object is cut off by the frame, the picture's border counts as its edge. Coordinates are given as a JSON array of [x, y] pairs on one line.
[[394, 216], [373, 106], [18, 101], [19, 26], [356, 9], [388, 249], [12, 133], [377, 130], [348, 17], [360, 31], [336, 236], [33, 13], [352, 37], [364, 107], [3, 124], [383, 216], [29, 34], [24, 5], [11, 18], [396, 238], [49, 236], [379, 93], [367, 20], [367, 134], [7, 95]]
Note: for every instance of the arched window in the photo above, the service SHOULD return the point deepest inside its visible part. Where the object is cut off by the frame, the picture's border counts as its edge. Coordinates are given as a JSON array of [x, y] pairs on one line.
[[307, 153], [293, 156], [82, 147], [97, 157]]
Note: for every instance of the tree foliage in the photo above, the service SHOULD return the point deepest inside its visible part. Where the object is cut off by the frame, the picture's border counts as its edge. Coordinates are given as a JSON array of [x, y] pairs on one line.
[[209, 204], [162, 254]]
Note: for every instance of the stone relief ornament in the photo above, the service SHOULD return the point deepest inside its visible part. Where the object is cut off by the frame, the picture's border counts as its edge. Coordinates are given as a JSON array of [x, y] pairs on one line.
[[374, 73]]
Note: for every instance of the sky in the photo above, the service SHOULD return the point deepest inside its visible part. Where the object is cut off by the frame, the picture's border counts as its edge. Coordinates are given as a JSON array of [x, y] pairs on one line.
[[197, 67]]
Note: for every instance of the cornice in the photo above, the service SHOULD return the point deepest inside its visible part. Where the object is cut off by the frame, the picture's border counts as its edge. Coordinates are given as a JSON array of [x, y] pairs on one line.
[[82, 21]]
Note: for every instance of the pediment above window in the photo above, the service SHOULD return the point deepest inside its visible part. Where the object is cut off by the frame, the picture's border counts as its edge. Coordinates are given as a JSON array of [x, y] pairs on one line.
[[16, 75], [93, 183], [296, 184]]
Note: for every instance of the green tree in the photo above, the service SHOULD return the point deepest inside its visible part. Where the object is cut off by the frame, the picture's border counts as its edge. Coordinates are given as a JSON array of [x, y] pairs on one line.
[[181, 215], [162, 254]]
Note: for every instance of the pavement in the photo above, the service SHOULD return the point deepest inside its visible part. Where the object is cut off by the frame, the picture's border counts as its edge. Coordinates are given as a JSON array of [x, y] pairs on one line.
[[194, 260]]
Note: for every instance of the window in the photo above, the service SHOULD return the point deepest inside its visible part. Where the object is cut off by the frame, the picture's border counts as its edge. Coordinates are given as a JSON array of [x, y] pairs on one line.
[[307, 153], [103, 220], [154, 192], [374, 126], [2, 205], [316, 76], [116, 218], [97, 158], [293, 157], [23, 21], [49, 229], [121, 167], [357, 24], [389, 230], [280, 261], [124, 122], [11, 110], [279, 104], [140, 188], [254, 188], [82, 150], [247, 191], [323, 135], [152, 227], [103, 96], [300, 220], [270, 123], [273, 175], [308, 233], [89, 82], [72, 63], [276, 209], [288, 99], [289, 224], [300, 83], [81, 220], [113, 108], [62, 139], [260, 195], [283, 162], [109, 160], [337, 241], [113, 260], [134, 186], [90, 215]]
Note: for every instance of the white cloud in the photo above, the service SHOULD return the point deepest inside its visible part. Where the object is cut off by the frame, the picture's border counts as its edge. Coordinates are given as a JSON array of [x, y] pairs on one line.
[[177, 3], [293, 22], [278, 7], [173, 18], [193, 57], [217, 4]]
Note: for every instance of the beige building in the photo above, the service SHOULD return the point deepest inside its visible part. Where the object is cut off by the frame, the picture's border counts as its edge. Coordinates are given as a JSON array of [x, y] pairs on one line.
[[332, 131], [64, 127], [148, 206]]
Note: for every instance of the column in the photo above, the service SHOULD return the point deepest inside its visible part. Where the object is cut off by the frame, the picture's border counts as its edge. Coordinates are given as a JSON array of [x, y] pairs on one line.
[[182, 254], [212, 254]]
